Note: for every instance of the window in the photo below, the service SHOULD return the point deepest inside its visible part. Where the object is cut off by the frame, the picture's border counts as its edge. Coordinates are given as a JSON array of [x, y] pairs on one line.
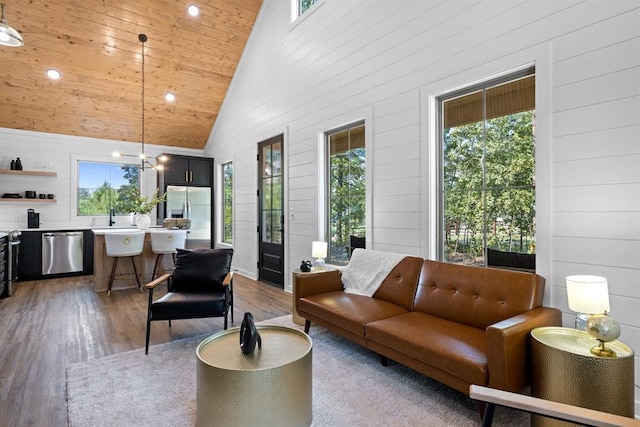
[[487, 188], [227, 203], [102, 186], [346, 173], [298, 7]]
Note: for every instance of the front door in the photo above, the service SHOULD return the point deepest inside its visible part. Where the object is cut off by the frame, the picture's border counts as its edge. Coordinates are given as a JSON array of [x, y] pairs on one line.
[[270, 211]]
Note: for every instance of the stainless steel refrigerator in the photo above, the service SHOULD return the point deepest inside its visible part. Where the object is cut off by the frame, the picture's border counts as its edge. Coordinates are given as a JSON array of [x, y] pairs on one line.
[[193, 203]]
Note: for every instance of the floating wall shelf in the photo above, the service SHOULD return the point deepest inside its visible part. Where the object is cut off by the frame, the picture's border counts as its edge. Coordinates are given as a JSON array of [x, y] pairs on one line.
[[23, 172], [23, 200]]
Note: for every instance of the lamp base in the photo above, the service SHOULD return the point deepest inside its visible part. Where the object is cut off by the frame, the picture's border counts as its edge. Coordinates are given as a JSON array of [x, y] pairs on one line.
[[581, 321], [602, 351], [318, 265]]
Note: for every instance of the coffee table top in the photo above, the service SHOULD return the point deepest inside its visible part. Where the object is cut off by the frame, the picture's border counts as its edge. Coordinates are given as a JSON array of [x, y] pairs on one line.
[[280, 346]]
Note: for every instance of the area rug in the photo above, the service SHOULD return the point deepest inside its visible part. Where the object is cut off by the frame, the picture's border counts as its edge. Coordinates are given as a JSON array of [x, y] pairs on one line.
[[350, 388]]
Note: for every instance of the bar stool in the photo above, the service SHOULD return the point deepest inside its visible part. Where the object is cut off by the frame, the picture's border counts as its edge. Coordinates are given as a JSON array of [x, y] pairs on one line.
[[166, 242], [124, 244]]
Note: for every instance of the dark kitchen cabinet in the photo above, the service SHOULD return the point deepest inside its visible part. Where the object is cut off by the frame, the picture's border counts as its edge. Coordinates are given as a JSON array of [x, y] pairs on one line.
[[30, 261], [187, 170], [4, 260]]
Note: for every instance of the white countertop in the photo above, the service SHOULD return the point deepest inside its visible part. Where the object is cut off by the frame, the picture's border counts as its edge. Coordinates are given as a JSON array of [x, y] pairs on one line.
[[103, 231], [96, 230]]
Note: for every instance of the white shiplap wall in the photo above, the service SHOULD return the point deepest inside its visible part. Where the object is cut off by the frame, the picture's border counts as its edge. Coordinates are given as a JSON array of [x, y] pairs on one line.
[[390, 58], [63, 152]]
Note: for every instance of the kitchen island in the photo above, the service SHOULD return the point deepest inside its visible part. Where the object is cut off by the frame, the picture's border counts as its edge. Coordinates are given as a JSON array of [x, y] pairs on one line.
[[125, 276]]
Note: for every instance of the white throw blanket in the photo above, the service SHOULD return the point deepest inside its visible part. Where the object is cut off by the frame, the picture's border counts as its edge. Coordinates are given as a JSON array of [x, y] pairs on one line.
[[367, 269]]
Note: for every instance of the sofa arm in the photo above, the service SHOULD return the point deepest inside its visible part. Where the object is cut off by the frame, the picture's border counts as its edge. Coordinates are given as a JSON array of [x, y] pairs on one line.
[[305, 285], [509, 348]]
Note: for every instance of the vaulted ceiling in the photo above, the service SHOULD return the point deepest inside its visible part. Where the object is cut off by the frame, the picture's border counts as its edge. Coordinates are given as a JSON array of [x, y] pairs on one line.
[[94, 44]]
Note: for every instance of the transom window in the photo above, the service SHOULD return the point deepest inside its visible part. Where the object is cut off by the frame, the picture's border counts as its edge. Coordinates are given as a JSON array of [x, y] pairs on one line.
[[298, 7], [103, 186], [487, 198]]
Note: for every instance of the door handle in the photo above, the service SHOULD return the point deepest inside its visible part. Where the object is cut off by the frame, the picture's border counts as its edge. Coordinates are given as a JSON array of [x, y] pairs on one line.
[[190, 176], [186, 176]]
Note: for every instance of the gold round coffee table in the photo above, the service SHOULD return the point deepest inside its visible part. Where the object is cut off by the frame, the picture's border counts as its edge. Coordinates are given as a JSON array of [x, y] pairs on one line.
[[270, 387]]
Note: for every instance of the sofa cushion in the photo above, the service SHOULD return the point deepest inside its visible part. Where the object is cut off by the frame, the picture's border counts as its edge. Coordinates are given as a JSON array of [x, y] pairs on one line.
[[399, 287], [476, 296], [457, 349], [352, 312]]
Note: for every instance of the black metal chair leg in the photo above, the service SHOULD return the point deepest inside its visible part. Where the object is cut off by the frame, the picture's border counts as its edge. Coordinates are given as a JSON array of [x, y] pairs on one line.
[[113, 274], [307, 325], [487, 420], [156, 265], [135, 270], [146, 347], [231, 298]]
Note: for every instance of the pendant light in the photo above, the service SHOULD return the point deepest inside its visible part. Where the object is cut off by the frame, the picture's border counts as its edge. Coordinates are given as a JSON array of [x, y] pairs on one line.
[[143, 158], [8, 36]]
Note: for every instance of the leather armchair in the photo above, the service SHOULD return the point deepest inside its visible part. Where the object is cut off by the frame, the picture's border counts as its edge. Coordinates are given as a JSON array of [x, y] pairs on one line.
[[201, 285]]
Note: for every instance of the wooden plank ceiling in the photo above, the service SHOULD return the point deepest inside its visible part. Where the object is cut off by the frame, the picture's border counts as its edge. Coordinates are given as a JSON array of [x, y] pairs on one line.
[[94, 44]]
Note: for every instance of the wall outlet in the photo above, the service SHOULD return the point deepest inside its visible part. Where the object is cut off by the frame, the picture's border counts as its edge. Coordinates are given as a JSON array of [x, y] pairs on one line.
[[16, 218]]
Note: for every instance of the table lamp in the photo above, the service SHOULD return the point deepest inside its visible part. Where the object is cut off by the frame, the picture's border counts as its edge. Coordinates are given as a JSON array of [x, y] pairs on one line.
[[319, 252], [589, 296]]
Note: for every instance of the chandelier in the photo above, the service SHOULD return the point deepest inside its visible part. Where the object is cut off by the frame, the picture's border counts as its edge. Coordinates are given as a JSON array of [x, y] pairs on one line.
[[144, 161]]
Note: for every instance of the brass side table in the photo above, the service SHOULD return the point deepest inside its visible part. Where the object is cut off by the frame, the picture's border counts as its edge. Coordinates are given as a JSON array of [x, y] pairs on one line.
[[270, 387], [565, 371]]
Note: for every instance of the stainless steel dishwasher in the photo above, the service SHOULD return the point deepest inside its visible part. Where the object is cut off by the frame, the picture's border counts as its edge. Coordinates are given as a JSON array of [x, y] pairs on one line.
[[61, 252]]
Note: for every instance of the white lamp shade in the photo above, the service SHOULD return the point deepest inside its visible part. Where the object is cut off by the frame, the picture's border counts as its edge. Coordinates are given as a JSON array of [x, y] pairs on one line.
[[319, 249], [588, 294]]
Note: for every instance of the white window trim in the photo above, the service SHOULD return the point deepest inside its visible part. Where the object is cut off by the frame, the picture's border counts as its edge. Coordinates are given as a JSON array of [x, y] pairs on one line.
[[297, 17], [540, 57], [145, 185], [367, 117], [219, 232]]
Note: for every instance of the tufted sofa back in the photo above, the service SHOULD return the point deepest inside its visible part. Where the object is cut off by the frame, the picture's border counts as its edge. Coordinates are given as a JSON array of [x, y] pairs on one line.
[[399, 287], [476, 296]]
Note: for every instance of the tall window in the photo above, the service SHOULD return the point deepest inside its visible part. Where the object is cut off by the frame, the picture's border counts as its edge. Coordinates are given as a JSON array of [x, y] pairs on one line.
[[102, 186], [487, 197], [346, 205], [227, 203]]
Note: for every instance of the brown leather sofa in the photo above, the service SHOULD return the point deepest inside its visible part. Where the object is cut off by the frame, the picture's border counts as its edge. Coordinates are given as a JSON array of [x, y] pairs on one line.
[[459, 325]]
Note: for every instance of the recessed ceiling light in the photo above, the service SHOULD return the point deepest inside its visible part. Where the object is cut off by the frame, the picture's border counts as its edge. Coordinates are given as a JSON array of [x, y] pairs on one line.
[[193, 10], [53, 74], [169, 97]]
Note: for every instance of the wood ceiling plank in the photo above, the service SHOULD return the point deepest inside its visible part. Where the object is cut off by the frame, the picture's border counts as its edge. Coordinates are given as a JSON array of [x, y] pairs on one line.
[[95, 45]]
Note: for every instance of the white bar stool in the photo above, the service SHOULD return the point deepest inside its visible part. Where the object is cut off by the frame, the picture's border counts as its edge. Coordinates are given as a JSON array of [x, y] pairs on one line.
[[166, 242], [124, 244]]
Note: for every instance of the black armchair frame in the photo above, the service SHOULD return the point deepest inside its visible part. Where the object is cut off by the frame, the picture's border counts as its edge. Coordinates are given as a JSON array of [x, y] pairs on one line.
[[227, 283]]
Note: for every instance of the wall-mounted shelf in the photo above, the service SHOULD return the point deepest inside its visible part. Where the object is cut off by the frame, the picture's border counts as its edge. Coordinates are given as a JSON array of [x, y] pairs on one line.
[[23, 200], [23, 172]]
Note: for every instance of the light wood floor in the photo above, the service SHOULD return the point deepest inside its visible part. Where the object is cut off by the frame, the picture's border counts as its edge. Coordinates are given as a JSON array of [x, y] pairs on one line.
[[46, 325]]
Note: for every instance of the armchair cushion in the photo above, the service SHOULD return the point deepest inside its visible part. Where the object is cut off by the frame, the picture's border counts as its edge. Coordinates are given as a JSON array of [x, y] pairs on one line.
[[200, 269], [174, 305]]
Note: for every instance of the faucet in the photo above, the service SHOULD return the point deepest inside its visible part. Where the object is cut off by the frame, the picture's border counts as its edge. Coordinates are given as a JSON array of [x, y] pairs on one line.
[[112, 214]]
